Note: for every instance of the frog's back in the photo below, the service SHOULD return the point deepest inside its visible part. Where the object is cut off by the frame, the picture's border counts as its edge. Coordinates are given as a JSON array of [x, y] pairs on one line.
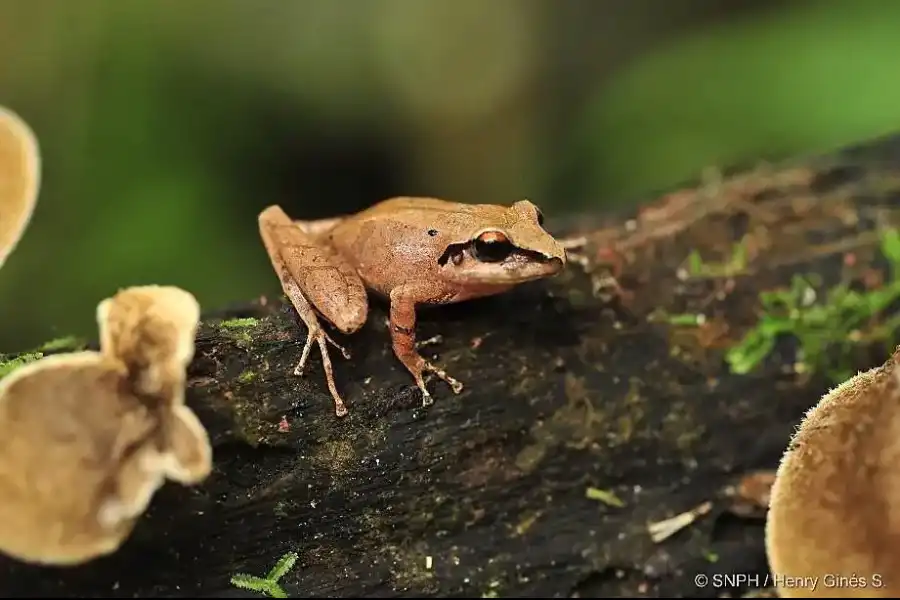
[[433, 213], [400, 240]]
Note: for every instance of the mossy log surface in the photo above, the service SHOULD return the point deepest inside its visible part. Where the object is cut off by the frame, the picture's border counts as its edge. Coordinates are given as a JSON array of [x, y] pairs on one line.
[[484, 494]]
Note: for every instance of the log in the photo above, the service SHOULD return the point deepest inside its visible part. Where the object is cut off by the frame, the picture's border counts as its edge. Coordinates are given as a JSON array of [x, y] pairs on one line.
[[595, 404]]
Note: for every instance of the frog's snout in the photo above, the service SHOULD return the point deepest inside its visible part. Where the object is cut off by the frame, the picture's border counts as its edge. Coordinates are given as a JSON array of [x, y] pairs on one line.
[[556, 264]]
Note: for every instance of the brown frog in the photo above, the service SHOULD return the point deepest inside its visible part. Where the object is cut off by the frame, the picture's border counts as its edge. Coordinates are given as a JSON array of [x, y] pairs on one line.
[[411, 251]]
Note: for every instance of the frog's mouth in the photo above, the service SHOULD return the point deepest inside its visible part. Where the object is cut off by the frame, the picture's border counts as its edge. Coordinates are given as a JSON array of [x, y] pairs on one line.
[[463, 264]]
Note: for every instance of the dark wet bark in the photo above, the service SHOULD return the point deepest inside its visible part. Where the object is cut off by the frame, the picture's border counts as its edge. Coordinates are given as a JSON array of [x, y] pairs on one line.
[[567, 388]]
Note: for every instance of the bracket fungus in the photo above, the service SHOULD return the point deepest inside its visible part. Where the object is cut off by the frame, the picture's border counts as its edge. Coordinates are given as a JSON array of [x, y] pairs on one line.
[[834, 517], [20, 177], [90, 436], [151, 329]]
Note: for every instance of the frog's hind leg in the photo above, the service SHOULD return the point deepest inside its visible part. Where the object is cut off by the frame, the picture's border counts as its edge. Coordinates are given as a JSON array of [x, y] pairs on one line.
[[307, 273], [318, 336]]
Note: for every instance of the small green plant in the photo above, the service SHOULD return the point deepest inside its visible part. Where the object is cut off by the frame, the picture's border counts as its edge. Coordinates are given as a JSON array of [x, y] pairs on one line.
[[267, 585], [604, 496], [678, 320], [736, 263], [826, 331]]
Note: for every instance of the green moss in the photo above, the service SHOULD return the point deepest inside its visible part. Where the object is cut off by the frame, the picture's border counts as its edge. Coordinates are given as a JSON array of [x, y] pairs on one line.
[[239, 329], [9, 363], [247, 418], [828, 324], [244, 323], [578, 422], [247, 376], [67, 343], [249, 413], [8, 366]]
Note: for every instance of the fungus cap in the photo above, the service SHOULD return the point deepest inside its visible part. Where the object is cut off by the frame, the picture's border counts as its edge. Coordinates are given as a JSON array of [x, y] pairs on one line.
[[20, 178], [835, 503], [83, 455]]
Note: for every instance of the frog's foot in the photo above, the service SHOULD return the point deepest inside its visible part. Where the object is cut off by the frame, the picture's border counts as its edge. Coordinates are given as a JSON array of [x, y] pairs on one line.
[[454, 384], [318, 336], [403, 336]]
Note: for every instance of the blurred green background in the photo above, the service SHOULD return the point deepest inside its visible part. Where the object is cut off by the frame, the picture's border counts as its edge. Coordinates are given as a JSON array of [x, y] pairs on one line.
[[167, 125]]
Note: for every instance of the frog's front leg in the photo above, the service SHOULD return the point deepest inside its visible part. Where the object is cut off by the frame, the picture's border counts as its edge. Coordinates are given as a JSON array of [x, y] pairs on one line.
[[403, 336]]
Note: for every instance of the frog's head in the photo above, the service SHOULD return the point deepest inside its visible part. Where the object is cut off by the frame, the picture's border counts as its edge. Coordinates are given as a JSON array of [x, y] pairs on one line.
[[508, 245]]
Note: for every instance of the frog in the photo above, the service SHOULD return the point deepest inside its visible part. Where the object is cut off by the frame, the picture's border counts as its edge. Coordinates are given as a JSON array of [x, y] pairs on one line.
[[410, 251]]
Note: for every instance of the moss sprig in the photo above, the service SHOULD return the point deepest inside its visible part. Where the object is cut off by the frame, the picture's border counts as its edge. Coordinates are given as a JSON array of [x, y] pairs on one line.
[[267, 585], [827, 330]]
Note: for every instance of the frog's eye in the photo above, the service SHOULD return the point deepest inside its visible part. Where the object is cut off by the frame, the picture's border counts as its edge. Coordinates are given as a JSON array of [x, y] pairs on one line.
[[492, 246]]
